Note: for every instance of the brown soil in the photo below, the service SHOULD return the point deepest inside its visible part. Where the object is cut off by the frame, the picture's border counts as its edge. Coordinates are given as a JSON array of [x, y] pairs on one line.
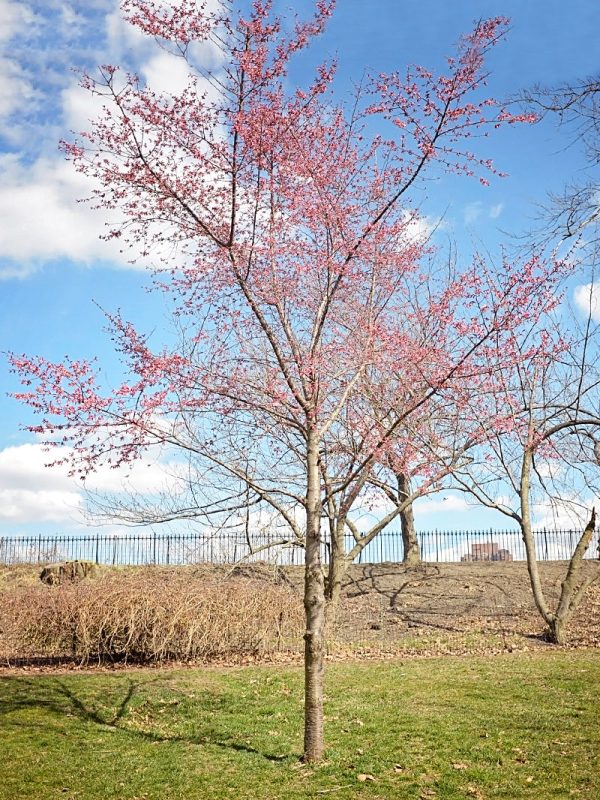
[[390, 610], [457, 608]]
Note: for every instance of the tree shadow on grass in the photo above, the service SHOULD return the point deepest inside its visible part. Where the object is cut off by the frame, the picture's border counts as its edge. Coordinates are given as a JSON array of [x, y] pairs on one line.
[[56, 697]]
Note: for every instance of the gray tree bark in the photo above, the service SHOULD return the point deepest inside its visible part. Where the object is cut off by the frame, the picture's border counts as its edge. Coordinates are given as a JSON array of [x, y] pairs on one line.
[[412, 554], [572, 588]]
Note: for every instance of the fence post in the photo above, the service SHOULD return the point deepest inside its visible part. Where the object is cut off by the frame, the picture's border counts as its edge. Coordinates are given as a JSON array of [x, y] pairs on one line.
[[571, 545]]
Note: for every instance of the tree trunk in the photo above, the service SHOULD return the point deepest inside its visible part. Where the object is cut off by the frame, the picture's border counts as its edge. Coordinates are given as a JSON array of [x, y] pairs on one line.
[[333, 594], [412, 554], [557, 630], [314, 608], [572, 590], [529, 541], [337, 567]]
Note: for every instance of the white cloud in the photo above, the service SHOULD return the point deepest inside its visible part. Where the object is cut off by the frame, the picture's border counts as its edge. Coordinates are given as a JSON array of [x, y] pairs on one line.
[[15, 88], [449, 504], [79, 107], [419, 228], [23, 466], [475, 210], [148, 477], [566, 514], [31, 491], [15, 16], [549, 469], [123, 39], [165, 73], [472, 212], [33, 505], [69, 17], [587, 299], [42, 220]]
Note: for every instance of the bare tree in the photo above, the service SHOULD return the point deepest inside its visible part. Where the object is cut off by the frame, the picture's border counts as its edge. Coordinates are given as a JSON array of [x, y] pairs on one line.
[[571, 218], [543, 456]]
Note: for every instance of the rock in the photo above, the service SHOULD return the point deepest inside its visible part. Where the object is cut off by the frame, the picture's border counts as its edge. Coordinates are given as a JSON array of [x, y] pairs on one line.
[[66, 572]]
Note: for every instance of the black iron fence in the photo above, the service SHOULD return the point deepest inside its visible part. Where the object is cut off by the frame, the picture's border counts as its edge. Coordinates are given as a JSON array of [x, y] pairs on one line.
[[230, 548]]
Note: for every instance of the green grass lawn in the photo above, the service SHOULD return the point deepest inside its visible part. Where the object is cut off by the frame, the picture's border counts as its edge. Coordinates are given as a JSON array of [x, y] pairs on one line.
[[511, 726]]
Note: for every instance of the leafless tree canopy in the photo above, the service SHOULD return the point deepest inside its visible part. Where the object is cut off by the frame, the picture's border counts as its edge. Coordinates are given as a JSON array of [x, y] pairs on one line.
[[574, 214]]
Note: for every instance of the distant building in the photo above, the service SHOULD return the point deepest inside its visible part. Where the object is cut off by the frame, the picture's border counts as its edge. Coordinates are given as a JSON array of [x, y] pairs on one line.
[[487, 551]]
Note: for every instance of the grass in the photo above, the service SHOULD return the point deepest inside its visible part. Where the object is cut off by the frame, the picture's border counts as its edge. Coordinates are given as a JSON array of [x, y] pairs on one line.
[[510, 726]]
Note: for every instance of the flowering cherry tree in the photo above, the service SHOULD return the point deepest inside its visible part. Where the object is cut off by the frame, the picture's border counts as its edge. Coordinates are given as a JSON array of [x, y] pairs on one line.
[[315, 352]]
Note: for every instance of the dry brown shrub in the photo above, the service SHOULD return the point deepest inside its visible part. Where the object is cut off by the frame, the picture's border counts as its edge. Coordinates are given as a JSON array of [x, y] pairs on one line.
[[145, 615]]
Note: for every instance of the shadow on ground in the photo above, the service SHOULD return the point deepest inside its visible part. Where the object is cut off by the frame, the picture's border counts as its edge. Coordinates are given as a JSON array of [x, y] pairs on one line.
[[58, 697]]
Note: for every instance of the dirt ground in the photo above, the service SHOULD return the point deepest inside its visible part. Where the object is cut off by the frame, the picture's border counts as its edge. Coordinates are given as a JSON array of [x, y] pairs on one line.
[[388, 610], [455, 608], [447, 608]]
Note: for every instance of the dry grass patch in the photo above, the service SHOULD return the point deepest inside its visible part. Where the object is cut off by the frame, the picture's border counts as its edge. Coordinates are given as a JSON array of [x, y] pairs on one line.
[[147, 616]]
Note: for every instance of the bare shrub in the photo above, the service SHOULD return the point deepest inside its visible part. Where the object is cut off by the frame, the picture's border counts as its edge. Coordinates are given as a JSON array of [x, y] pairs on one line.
[[145, 615]]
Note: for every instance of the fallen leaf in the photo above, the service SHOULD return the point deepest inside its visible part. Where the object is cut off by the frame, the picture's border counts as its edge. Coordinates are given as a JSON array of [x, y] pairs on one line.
[[460, 765], [474, 791], [362, 777]]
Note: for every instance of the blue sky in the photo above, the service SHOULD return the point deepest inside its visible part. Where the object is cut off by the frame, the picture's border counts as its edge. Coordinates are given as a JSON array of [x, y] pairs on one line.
[[55, 271]]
